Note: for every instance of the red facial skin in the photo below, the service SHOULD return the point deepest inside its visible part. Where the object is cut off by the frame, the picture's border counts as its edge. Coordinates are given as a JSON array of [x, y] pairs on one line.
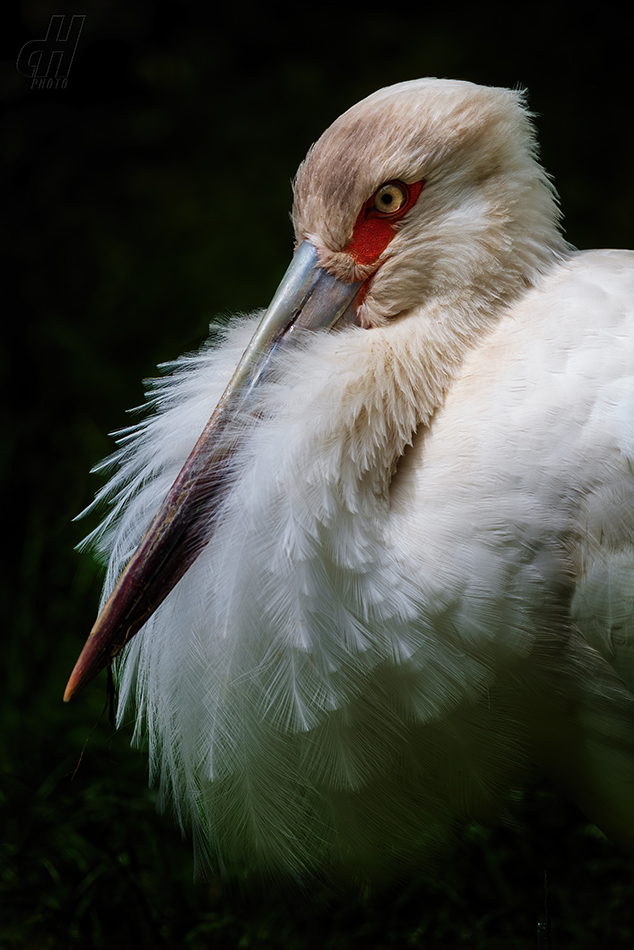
[[374, 229]]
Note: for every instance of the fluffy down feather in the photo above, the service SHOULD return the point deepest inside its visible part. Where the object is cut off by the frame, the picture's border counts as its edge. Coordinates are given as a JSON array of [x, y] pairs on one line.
[[349, 667], [419, 581]]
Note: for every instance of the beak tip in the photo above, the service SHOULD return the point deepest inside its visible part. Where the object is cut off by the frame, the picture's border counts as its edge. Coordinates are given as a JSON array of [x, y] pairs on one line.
[[82, 674], [72, 686]]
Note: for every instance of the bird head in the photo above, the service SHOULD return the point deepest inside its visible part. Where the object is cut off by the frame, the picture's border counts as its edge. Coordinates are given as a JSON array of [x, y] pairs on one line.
[[429, 190]]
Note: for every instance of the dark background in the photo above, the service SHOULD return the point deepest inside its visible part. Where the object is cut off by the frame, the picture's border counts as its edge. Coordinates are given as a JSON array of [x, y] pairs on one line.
[[141, 201]]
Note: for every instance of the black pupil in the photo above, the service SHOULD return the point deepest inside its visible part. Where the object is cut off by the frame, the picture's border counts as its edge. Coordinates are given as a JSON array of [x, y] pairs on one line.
[[387, 199]]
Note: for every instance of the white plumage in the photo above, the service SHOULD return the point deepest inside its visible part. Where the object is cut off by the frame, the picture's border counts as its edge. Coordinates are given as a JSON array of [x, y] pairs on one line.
[[419, 582]]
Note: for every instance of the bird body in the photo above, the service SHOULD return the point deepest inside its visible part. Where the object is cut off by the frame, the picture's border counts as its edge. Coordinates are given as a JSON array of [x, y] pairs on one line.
[[418, 580]]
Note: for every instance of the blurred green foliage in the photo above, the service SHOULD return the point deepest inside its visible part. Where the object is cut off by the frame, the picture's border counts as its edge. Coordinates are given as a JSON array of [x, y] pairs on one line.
[[144, 199]]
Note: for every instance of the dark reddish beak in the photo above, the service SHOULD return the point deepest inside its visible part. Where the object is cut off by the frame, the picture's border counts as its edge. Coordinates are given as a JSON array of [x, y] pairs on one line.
[[308, 297]]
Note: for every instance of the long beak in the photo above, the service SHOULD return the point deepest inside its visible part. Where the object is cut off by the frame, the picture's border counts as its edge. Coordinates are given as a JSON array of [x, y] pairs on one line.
[[308, 297]]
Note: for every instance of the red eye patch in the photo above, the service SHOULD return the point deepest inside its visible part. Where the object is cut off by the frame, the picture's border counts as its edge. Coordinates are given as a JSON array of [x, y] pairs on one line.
[[374, 229]]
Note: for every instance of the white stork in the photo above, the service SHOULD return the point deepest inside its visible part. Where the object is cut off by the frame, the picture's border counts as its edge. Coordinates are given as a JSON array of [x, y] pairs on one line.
[[396, 570]]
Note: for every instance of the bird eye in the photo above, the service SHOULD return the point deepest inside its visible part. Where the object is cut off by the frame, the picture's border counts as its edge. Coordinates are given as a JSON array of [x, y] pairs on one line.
[[390, 198]]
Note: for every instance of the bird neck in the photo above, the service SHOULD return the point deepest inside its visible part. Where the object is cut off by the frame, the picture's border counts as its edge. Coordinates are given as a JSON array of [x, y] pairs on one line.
[[399, 377], [365, 394]]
